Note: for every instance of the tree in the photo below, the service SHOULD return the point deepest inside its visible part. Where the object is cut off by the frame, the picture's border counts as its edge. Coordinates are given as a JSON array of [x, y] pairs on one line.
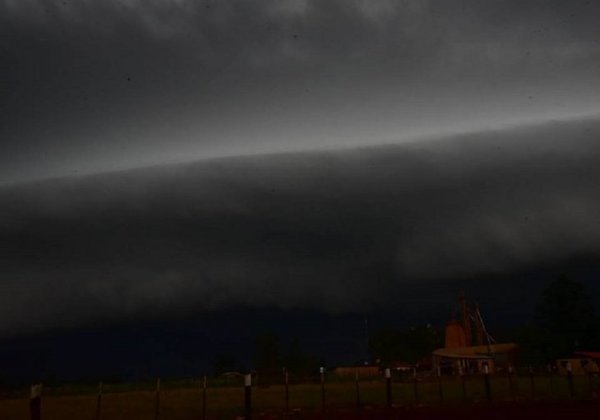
[[407, 346], [267, 356], [224, 363], [533, 345], [387, 345], [421, 342], [566, 316], [299, 362]]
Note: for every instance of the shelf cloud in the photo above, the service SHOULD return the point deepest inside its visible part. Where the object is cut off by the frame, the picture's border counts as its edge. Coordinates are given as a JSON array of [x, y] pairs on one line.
[[329, 230], [93, 86]]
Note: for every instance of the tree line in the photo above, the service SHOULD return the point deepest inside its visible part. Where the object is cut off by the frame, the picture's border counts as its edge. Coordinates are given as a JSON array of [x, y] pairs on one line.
[[564, 322]]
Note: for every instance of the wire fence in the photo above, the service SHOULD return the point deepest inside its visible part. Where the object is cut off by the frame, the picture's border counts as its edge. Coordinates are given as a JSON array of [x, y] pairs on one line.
[[252, 396]]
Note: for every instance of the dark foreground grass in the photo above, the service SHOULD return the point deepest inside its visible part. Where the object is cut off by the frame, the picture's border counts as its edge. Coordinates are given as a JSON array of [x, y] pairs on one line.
[[183, 400]]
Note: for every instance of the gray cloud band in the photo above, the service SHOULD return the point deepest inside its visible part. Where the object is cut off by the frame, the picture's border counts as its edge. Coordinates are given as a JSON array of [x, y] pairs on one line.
[[327, 230], [323, 27], [85, 83]]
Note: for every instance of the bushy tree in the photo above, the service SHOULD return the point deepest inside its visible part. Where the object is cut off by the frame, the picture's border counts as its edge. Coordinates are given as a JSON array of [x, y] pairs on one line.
[[533, 345], [224, 363], [299, 362], [387, 345], [267, 356], [409, 345], [566, 316]]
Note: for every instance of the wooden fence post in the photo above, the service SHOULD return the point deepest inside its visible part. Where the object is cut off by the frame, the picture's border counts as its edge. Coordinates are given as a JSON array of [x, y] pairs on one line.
[[551, 379], [511, 385], [357, 387], [570, 380], [388, 387], [322, 372], [487, 382], [440, 385], [248, 396], [35, 402], [286, 380], [461, 373], [204, 398], [416, 386], [157, 400], [532, 381], [99, 402]]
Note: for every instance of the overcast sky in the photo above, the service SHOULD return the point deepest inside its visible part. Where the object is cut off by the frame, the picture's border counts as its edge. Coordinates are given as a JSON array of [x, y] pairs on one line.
[[338, 231], [494, 105], [92, 86]]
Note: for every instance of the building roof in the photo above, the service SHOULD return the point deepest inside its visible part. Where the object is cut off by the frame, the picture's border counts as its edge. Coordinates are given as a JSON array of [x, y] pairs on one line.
[[590, 354], [475, 352]]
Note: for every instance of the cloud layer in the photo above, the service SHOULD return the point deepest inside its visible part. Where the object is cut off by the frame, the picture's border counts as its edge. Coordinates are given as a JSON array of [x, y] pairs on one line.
[[325, 230], [96, 85]]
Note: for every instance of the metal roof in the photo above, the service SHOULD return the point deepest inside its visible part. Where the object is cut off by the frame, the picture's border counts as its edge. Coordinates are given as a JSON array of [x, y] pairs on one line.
[[475, 352]]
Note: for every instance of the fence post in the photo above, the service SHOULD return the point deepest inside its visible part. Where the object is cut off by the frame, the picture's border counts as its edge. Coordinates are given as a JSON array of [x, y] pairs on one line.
[[357, 387], [388, 387], [35, 402], [462, 382], [551, 378], [157, 400], [416, 386], [511, 385], [322, 372], [248, 396], [286, 380], [99, 402], [486, 381], [570, 380], [440, 387], [532, 381], [204, 398]]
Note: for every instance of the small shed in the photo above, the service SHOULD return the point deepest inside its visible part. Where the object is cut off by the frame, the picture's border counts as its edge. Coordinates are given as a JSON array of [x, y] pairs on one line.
[[581, 363]]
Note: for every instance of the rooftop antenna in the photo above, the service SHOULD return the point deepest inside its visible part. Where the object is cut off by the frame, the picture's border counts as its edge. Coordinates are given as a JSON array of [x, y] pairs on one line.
[[366, 341], [481, 325], [466, 321]]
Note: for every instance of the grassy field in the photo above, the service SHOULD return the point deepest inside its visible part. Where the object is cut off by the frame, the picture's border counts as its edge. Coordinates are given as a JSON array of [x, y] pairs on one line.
[[179, 401]]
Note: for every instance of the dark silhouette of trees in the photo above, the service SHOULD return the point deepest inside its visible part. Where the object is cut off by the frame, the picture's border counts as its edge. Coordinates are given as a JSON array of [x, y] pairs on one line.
[[224, 363], [270, 359], [565, 315], [408, 346], [299, 362], [267, 357]]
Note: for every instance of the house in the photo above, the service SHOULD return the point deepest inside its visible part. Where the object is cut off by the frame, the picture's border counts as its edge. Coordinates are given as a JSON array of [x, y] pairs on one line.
[[581, 363], [469, 348]]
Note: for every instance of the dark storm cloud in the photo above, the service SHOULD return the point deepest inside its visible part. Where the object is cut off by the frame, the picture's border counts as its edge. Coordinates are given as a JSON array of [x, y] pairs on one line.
[[97, 40], [328, 230], [93, 85]]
